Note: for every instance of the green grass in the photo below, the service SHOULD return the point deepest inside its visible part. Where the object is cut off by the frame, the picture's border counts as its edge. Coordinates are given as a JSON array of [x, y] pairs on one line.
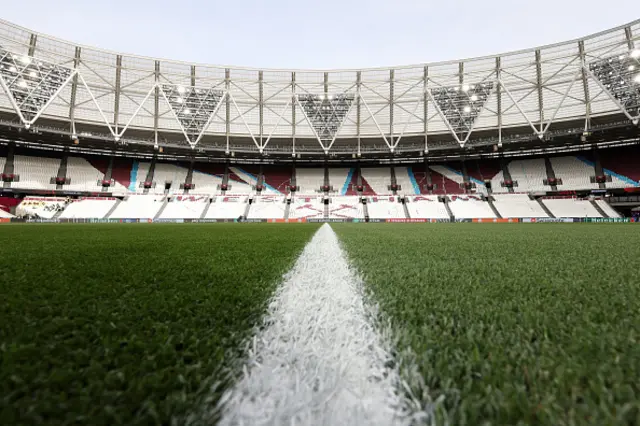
[[127, 324], [513, 324]]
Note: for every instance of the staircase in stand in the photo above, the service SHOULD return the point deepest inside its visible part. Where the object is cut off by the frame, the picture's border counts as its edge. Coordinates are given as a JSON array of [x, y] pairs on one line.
[[545, 208], [406, 209], [9, 164], [164, 206], [150, 173], [449, 212], [493, 207], [206, 209], [599, 209], [113, 209]]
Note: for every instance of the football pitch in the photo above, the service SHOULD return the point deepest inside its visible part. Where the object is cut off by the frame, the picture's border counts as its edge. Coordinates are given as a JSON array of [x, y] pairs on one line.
[[491, 323]]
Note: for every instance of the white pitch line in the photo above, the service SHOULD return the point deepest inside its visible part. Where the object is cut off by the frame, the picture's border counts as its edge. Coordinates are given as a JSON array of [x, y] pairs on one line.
[[319, 360]]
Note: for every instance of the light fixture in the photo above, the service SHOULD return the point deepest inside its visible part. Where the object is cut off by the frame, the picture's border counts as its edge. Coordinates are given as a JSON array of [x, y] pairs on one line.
[[25, 60], [12, 68], [474, 98], [32, 73], [637, 79], [22, 83], [181, 89], [465, 88], [187, 111], [467, 109], [631, 67], [180, 100], [635, 54]]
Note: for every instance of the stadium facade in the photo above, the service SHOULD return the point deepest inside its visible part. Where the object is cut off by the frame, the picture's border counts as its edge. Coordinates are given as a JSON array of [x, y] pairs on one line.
[[546, 98]]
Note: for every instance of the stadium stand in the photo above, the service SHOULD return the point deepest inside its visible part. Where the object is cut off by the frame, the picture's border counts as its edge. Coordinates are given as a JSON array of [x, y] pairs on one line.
[[89, 208], [83, 176], [277, 177], [184, 207], [227, 207], [267, 207], [168, 173], [385, 207], [442, 181], [35, 172], [309, 180], [622, 165], [378, 178], [406, 181], [517, 206], [574, 173], [529, 174], [41, 207], [570, 207], [306, 207], [607, 209], [138, 207], [347, 207], [470, 207], [340, 179], [426, 207]]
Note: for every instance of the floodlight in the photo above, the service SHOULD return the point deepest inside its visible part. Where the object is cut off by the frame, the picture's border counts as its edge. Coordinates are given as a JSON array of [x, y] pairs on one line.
[[25, 60], [465, 88], [22, 83], [474, 98], [181, 89], [637, 79], [635, 54], [187, 111], [467, 109]]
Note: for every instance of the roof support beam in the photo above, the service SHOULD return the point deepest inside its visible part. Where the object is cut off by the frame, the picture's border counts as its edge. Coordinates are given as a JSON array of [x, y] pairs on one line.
[[74, 91], [499, 99], [539, 87], [227, 98], [261, 103], [425, 108], [585, 87], [294, 100], [193, 76], [116, 102], [156, 102], [629, 36], [391, 104], [33, 40], [358, 110]]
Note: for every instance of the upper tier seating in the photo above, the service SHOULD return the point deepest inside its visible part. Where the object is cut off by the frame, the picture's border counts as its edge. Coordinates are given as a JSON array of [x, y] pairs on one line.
[[82, 176], [338, 179], [227, 207], [575, 174], [89, 208], [267, 207], [310, 180], [164, 172], [347, 207], [378, 178], [426, 207], [138, 207], [385, 207], [35, 172], [184, 207], [41, 207], [470, 207], [277, 177], [517, 206], [306, 207], [241, 181], [529, 174], [406, 181], [623, 165], [571, 207]]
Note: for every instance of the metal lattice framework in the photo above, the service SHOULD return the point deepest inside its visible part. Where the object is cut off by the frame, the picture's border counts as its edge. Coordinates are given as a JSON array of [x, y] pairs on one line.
[[194, 108], [461, 105], [31, 84], [326, 115], [84, 91], [620, 76]]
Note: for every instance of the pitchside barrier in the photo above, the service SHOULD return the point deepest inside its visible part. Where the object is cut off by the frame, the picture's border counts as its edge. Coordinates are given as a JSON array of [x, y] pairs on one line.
[[316, 220]]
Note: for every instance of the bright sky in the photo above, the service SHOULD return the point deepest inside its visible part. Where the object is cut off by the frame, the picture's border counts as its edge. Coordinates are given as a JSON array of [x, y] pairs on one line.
[[321, 34]]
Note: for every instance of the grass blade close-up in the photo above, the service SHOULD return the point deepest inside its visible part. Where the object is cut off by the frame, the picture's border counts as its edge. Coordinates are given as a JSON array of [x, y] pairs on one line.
[[129, 324], [512, 324]]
